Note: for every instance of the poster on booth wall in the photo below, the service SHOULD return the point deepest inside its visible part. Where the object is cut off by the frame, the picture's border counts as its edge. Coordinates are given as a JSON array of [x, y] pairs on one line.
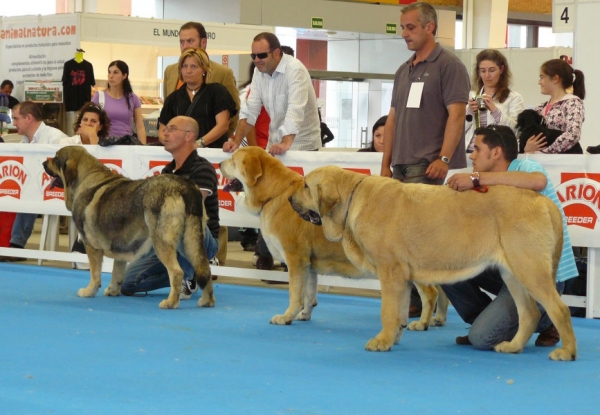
[[43, 91], [35, 48]]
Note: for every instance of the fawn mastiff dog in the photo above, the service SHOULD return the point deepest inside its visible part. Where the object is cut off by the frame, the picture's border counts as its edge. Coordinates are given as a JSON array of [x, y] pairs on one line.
[[123, 218], [267, 184], [435, 235]]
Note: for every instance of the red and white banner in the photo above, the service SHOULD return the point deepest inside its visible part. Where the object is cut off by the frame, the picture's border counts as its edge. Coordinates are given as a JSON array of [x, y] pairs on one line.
[[24, 184]]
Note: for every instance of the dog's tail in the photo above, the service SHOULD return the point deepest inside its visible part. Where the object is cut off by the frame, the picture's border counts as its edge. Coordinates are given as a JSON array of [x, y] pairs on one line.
[[193, 242]]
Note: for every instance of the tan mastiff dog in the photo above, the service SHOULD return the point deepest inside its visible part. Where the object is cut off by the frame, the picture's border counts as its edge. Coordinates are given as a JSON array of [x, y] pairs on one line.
[[123, 218], [434, 235], [267, 185]]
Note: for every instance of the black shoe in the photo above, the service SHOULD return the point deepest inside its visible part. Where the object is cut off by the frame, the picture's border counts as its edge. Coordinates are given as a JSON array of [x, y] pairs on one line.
[[463, 341], [548, 337], [12, 258], [264, 263]]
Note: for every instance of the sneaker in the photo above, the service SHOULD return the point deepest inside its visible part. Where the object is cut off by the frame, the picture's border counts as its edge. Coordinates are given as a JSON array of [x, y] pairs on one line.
[[188, 287]]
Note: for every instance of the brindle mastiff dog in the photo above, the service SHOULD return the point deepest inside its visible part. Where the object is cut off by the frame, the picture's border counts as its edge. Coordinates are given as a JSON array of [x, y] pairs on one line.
[[123, 219], [435, 235]]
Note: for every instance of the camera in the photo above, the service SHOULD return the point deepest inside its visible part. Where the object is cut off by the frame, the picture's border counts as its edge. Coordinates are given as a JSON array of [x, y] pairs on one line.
[[480, 103]]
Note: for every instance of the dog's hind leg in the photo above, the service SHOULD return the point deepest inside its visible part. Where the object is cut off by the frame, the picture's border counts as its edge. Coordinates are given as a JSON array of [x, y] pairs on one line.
[[429, 295], [195, 252], [561, 317], [529, 315], [548, 297], [95, 256], [118, 274], [167, 254]]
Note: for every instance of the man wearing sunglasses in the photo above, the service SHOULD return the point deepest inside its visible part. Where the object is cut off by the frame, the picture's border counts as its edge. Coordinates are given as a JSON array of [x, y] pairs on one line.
[[494, 321], [193, 35], [281, 84]]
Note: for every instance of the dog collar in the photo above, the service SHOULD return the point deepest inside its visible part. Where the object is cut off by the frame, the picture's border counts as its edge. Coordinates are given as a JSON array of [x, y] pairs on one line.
[[350, 201]]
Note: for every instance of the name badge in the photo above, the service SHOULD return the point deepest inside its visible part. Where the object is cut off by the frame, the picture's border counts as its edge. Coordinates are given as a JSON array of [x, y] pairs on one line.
[[414, 96]]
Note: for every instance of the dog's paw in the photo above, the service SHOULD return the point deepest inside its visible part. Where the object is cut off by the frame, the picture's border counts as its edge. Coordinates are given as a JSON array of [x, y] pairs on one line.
[[563, 354], [207, 301], [507, 347], [437, 321], [376, 345], [418, 326], [169, 304], [88, 291], [112, 291], [281, 320], [304, 315]]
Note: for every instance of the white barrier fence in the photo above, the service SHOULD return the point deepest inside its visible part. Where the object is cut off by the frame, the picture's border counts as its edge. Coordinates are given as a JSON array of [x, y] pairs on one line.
[[24, 187]]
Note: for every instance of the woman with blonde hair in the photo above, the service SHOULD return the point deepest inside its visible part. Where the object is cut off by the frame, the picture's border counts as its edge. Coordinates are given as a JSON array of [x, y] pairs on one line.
[[491, 99], [211, 105]]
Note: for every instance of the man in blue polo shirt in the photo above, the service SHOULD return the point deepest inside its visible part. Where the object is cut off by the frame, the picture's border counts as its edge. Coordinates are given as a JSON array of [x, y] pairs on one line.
[[494, 321]]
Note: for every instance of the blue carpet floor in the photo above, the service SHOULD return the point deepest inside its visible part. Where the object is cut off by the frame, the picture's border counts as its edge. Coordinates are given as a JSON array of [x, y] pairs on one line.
[[60, 354]]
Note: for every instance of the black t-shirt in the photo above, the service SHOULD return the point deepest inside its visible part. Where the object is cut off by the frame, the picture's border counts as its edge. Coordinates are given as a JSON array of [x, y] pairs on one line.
[[211, 100], [77, 80], [200, 171], [12, 101]]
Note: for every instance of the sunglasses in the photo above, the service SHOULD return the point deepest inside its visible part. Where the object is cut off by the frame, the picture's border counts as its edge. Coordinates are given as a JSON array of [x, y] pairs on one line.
[[262, 55]]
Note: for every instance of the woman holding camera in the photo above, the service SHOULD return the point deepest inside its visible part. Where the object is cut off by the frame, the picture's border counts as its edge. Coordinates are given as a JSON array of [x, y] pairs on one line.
[[492, 101]]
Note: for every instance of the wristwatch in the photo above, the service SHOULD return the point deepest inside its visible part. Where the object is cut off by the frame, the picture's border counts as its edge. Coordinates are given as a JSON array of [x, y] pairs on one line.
[[445, 159], [475, 179], [200, 142]]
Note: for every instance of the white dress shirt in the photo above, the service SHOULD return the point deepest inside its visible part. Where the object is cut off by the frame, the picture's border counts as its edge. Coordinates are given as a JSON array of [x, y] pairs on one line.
[[290, 100], [50, 135]]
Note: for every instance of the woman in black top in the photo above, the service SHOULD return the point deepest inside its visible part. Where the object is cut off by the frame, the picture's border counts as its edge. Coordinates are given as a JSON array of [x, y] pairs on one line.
[[210, 105], [377, 143]]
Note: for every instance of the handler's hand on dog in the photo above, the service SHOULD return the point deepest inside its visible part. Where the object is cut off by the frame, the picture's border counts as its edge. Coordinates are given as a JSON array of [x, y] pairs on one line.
[[535, 143], [437, 170], [278, 149], [460, 182], [230, 146]]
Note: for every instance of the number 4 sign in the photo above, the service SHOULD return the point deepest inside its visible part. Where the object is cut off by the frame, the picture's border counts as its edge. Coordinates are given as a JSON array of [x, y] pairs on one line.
[[563, 16]]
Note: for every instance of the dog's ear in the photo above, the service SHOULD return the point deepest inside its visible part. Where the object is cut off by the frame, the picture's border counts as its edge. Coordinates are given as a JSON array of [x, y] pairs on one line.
[[328, 197], [252, 169], [329, 201], [70, 172]]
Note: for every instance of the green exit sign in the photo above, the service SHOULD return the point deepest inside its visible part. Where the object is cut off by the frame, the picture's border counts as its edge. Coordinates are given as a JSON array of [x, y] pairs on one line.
[[316, 23], [390, 28]]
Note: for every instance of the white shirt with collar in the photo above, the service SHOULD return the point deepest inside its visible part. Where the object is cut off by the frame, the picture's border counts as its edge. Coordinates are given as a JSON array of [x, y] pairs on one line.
[[50, 135], [290, 100]]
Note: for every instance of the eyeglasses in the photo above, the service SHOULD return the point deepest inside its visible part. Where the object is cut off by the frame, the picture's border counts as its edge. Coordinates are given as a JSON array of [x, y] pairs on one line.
[[262, 55], [542, 77], [172, 129]]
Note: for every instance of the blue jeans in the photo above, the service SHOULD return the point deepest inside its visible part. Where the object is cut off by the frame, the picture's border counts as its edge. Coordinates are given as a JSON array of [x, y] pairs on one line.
[[414, 173], [147, 273], [22, 228], [492, 321]]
